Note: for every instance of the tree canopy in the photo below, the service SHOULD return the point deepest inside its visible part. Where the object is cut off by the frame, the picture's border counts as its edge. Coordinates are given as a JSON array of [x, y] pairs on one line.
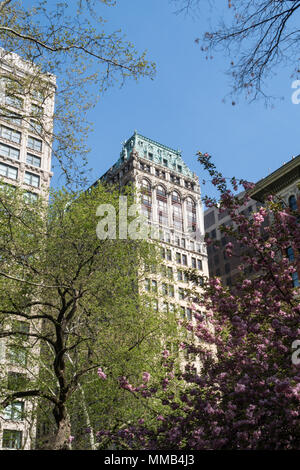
[[71, 307]]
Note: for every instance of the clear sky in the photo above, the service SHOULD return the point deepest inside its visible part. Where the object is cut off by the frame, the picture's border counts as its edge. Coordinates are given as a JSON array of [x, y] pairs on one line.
[[183, 106]]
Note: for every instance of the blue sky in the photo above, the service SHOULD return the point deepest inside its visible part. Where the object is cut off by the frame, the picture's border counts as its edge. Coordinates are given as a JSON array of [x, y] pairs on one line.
[[183, 106]]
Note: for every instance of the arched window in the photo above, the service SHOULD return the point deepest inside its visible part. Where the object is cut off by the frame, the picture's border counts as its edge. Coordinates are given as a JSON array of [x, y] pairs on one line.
[[293, 203], [191, 214], [146, 199], [175, 197], [146, 185], [162, 205], [160, 191], [177, 211]]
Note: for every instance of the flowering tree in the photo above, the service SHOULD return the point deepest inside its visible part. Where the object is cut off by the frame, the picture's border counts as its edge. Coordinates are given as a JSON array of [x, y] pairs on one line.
[[246, 393]]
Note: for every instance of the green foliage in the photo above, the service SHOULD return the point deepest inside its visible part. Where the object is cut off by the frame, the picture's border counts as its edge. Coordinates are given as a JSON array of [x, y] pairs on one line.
[[81, 301]]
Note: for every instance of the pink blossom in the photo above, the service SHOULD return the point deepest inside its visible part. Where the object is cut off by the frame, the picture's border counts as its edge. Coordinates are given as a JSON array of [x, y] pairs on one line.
[[146, 377], [101, 374]]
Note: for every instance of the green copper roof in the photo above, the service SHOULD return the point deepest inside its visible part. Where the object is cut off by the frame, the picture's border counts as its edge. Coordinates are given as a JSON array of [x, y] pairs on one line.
[[155, 152]]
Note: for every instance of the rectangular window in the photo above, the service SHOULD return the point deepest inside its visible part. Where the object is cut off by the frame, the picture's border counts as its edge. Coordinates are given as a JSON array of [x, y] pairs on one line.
[[30, 197], [163, 270], [170, 272], [199, 262], [169, 255], [147, 285], [33, 160], [295, 279], [16, 381], [14, 101], [37, 95], [33, 180], [10, 134], [192, 246], [11, 152], [171, 291], [11, 439], [184, 260], [165, 162], [290, 253], [17, 355], [178, 258], [181, 294], [194, 263], [36, 111], [21, 326], [179, 275], [183, 242], [171, 308], [14, 411], [12, 118], [35, 127], [164, 289], [34, 144], [8, 171], [154, 286]]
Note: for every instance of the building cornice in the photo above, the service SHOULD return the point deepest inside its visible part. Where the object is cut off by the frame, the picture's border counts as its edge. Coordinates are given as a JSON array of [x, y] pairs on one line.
[[277, 181]]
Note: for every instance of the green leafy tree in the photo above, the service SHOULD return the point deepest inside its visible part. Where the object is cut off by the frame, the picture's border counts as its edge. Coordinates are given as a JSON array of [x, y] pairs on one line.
[[71, 307]]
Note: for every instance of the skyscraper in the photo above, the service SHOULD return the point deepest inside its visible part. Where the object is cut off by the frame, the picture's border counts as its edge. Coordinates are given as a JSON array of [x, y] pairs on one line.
[[171, 202], [26, 126]]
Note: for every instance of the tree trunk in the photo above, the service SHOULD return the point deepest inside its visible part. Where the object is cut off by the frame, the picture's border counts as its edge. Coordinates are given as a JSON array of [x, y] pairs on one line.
[[61, 439]]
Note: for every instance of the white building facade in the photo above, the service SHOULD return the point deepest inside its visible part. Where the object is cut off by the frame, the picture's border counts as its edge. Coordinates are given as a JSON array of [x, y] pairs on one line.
[[171, 202], [26, 128]]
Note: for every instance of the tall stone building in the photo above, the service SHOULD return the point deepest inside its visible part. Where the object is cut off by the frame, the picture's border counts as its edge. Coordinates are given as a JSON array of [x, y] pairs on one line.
[[26, 122], [171, 202]]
